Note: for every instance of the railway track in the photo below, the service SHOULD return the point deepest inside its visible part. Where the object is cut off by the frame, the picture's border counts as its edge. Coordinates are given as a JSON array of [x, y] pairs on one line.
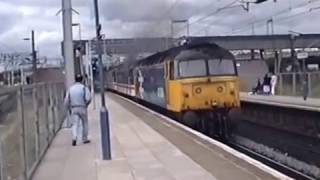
[[287, 170], [293, 173]]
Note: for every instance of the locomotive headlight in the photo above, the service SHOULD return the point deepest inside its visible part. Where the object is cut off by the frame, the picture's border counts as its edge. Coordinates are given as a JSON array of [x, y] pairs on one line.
[[214, 104], [220, 89], [198, 90]]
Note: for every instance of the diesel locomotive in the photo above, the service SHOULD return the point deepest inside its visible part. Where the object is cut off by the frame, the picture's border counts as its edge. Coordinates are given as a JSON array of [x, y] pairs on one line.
[[197, 83]]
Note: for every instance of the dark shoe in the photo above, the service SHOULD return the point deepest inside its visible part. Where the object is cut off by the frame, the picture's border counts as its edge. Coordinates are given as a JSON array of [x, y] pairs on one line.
[[74, 142], [86, 141]]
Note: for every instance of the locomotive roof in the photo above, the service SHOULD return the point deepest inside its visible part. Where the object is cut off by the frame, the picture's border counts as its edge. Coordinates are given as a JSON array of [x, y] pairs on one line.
[[205, 50]]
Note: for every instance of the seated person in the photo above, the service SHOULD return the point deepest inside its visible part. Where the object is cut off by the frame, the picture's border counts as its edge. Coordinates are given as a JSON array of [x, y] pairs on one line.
[[258, 88]]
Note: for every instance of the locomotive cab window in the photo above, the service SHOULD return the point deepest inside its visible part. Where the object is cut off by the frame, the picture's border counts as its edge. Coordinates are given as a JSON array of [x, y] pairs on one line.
[[192, 68], [221, 67]]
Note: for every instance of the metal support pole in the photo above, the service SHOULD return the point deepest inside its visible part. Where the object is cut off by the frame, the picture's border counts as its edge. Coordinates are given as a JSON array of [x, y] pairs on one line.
[[272, 27], [280, 61], [253, 29], [276, 59], [80, 32], [188, 28], [12, 77], [294, 84], [8, 74], [309, 84], [104, 115], [21, 76], [91, 75], [105, 50], [22, 138], [305, 80], [171, 28], [36, 108], [281, 84], [67, 41], [295, 63], [2, 162], [78, 52], [34, 53]]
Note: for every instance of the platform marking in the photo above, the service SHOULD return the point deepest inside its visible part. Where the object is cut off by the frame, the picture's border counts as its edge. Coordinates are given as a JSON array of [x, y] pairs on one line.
[[224, 147]]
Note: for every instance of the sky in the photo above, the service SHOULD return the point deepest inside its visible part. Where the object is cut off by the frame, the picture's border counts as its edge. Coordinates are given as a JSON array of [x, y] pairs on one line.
[[149, 18]]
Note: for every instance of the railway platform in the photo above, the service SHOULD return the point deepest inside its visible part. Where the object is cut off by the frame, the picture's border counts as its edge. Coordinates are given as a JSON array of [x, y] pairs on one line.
[[312, 104], [146, 146]]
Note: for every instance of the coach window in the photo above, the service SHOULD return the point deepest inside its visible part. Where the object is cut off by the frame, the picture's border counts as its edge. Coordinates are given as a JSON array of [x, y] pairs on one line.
[[114, 76], [130, 76]]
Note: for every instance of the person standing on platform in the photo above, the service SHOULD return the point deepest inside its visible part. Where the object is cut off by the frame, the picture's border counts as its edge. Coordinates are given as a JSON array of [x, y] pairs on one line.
[[274, 80], [266, 84], [77, 100]]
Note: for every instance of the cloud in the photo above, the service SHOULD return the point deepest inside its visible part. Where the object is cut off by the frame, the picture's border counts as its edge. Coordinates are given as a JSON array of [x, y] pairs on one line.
[[8, 16], [144, 18], [45, 3], [142, 10]]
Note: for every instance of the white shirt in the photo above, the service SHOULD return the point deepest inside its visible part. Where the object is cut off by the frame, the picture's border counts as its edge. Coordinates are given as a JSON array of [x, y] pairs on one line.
[[77, 96], [274, 79]]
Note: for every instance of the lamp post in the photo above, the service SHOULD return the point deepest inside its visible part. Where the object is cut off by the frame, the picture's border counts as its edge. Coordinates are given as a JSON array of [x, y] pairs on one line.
[[186, 21], [78, 52], [104, 115], [79, 25], [33, 52], [270, 25], [67, 41], [295, 62]]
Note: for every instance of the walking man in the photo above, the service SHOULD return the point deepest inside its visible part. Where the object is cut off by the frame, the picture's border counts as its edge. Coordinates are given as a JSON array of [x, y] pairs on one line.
[[77, 100]]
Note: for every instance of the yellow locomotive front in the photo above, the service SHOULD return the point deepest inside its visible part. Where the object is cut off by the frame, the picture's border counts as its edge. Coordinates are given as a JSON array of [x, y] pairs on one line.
[[203, 84], [202, 87]]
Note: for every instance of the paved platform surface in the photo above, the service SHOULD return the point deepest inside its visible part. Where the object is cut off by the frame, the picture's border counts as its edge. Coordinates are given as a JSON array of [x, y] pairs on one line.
[[285, 101], [143, 148], [139, 153]]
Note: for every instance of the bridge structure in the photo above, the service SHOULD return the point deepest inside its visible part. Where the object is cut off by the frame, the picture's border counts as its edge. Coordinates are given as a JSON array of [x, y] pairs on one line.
[[256, 42]]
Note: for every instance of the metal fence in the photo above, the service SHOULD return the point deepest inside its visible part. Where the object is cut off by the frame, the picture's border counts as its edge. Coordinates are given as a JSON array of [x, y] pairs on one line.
[[292, 84], [30, 117]]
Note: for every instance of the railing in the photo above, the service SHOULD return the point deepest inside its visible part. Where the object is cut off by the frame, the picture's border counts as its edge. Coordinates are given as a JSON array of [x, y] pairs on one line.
[[294, 84], [30, 117]]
